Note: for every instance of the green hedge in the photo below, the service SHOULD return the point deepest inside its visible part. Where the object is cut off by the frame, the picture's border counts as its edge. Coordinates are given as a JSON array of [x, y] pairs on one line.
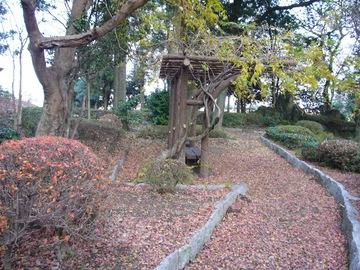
[[335, 125], [154, 132], [291, 136], [8, 134], [312, 125], [30, 119], [309, 151], [237, 120], [158, 106], [219, 133]]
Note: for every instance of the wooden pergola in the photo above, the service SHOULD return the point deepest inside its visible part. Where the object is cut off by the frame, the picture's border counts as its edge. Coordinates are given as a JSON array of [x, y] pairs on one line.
[[215, 75], [178, 70]]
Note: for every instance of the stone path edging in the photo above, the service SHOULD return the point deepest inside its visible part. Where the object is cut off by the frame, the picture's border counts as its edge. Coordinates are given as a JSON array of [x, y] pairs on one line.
[[182, 256], [351, 225], [187, 187], [118, 166]]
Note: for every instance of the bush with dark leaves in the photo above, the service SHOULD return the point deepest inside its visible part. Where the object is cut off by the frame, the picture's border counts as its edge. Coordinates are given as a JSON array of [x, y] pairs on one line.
[[340, 154]]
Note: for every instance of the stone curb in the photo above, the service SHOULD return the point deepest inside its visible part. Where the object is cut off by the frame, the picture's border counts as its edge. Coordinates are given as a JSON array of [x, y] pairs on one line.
[[203, 187], [350, 224], [185, 187], [116, 170], [182, 256]]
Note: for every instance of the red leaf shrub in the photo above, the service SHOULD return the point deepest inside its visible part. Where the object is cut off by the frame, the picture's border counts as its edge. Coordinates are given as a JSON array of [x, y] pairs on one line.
[[47, 182], [340, 154]]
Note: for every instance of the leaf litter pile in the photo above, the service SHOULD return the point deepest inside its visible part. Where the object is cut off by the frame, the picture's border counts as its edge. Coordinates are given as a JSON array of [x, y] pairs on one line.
[[288, 221]]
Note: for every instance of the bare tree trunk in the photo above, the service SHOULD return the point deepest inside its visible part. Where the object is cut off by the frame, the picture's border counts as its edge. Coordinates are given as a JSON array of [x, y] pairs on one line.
[[357, 118], [221, 104], [88, 90], [357, 132], [19, 105], [55, 115], [242, 105], [275, 85], [228, 104], [57, 80], [142, 98], [13, 91], [326, 96], [81, 114], [238, 105], [120, 83]]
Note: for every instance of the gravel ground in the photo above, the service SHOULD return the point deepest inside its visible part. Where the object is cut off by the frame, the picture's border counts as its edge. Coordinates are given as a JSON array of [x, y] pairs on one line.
[[288, 221]]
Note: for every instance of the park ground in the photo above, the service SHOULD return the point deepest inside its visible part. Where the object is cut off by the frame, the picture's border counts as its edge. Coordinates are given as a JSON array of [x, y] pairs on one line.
[[286, 221]]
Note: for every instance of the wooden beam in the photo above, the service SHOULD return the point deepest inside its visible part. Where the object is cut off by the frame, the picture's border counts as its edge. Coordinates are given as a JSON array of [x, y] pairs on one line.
[[192, 102]]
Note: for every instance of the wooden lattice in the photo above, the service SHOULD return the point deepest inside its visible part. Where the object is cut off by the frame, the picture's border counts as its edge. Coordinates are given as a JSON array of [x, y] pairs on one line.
[[198, 66]]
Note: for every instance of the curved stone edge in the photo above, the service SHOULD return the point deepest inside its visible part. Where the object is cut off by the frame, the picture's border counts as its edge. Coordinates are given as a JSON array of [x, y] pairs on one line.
[[187, 253], [350, 223], [118, 166], [116, 170]]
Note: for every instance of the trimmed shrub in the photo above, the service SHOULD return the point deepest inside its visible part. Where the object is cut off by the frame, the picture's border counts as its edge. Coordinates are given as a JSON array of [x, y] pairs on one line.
[[124, 108], [340, 154], [237, 120], [139, 117], [6, 110], [30, 119], [337, 126], [8, 134], [158, 105], [309, 151], [47, 183], [312, 125], [269, 116], [154, 132], [291, 136], [270, 121], [219, 133], [164, 175], [253, 119], [111, 119], [322, 136], [96, 130], [233, 120]]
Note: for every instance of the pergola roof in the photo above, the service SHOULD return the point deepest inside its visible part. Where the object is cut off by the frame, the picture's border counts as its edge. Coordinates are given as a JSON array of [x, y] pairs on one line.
[[199, 66]]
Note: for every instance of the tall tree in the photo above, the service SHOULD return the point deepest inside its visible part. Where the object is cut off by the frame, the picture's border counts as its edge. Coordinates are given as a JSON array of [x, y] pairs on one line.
[[57, 80]]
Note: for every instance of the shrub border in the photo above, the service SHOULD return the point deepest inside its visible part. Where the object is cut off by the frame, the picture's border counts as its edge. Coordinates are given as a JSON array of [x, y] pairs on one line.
[[350, 225], [187, 253]]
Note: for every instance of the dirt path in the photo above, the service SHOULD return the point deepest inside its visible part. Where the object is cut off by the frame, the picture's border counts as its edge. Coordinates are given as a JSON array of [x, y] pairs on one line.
[[290, 221]]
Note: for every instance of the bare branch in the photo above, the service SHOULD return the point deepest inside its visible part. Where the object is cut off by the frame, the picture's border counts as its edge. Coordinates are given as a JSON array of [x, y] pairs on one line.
[[89, 36], [287, 7]]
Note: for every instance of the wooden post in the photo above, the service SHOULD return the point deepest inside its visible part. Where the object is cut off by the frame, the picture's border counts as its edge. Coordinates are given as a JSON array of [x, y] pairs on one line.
[[204, 165], [177, 111], [172, 99]]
